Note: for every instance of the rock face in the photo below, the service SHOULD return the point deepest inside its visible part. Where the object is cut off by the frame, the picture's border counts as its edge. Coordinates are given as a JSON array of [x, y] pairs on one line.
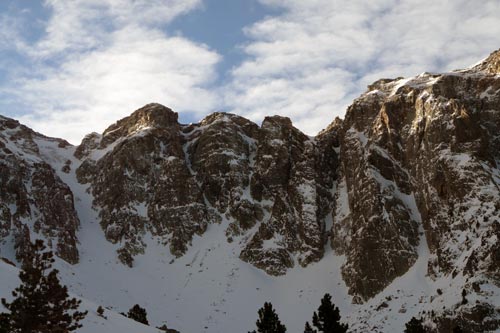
[[284, 181], [34, 201], [423, 151], [414, 165], [148, 173], [141, 181]]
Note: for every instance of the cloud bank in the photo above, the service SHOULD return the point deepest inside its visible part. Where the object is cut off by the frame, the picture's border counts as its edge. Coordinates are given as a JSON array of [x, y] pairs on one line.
[[98, 60], [311, 61]]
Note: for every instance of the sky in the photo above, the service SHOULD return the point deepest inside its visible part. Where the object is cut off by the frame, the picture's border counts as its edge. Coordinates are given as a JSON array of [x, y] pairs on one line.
[[71, 67]]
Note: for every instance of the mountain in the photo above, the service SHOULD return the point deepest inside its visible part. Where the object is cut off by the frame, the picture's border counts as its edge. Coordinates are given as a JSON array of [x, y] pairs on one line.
[[395, 210]]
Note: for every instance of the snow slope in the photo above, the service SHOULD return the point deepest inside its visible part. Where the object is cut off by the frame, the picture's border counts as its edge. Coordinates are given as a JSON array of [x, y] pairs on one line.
[[93, 323]]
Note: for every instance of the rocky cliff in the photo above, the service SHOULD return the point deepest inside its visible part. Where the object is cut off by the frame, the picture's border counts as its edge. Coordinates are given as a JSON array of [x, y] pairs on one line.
[[414, 164], [33, 199], [148, 173], [422, 152]]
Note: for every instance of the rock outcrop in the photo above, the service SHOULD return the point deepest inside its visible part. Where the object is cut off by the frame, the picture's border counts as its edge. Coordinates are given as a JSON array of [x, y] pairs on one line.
[[148, 173], [34, 201], [141, 182], [423, 151]]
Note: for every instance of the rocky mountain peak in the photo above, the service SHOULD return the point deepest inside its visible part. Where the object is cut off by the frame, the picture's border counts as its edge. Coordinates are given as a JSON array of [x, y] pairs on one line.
[[277, 122], [491, 64], [216, 116], [335, 125], [277, 127], [33, 198], [150, 116], [8, 123]]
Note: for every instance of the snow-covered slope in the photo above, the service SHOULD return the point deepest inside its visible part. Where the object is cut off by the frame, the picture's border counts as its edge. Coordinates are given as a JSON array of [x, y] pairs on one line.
[[111, 322]]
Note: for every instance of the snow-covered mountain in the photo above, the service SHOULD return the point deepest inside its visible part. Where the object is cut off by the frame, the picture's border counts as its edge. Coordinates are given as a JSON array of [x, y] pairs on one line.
[[394, 210]]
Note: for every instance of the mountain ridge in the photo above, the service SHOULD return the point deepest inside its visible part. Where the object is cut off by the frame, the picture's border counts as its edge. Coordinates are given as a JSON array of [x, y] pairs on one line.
[[414, 163]]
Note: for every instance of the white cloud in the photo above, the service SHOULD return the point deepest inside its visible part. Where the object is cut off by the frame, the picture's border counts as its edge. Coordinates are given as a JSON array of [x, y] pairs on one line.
[[98, 60], [101, 59], [10, 33], [83, 24], [311, 61]]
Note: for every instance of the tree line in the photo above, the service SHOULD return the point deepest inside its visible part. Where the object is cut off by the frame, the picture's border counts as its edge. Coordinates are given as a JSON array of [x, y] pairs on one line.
[[325, 320]]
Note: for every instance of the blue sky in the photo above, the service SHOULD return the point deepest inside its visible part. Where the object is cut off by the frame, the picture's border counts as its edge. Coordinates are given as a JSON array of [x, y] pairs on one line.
[[220, 24], [71, 67]]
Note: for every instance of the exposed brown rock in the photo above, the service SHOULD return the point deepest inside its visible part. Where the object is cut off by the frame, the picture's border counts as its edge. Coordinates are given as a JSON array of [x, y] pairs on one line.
[[491, 64], [421, 150], [286, 179], [32, 196], [476, 319], [184, 177], [143, 183]]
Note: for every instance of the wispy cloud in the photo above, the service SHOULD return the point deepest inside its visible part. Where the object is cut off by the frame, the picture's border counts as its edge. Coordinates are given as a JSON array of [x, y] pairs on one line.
[[312, 60], [100, 59], [80, 25], [97, 60]]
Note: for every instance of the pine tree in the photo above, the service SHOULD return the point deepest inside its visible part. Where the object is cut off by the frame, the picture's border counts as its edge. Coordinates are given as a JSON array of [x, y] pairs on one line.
[[138, 314], [414, 326], [41, 303], [4, 323], [268, 321], [100, 312], [327, 319], [308, 328]]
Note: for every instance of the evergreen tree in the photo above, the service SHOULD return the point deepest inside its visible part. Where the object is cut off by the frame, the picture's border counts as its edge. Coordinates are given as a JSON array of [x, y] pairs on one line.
[[41, 303], [268, 321], [457, 329], [100, 311], [4, 323], [138, 314], [327, 319], [414, 326], [309, 329]]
